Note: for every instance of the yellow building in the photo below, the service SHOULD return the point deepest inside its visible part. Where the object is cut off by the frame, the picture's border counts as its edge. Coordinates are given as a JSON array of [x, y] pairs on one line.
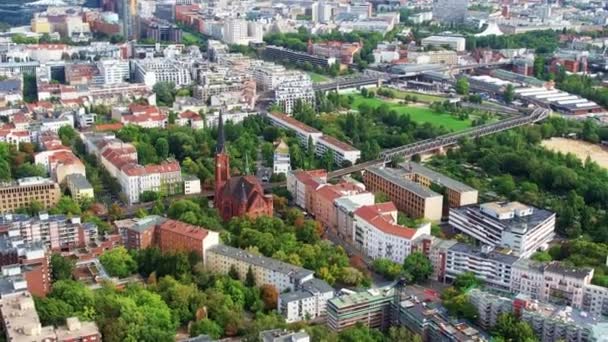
[[23, 192], [79, 186], [41, 25]]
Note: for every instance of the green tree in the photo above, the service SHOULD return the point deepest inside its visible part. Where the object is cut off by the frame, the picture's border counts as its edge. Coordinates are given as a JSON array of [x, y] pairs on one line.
[[466, 281], [30, 170], [61, 267], [250, 278], [509, 93], [165, 93], [206, 327], [462, 86], [511, 329], [118, 262], [541, 256], [67, 135], [389, 269], [417, 267], [162, 148], [53, 311]]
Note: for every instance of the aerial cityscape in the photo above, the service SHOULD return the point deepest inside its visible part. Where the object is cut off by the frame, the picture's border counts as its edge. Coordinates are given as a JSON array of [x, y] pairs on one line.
[[304, 170]]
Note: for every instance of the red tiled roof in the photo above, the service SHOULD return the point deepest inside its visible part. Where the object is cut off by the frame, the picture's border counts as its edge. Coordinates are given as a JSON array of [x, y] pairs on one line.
[[335, 142], [108, 127], [185, 229], [378, 216], [190, 115], [294, 122], [133, 169], [19, 118], [64, 157], [143, 117], [163, 167]]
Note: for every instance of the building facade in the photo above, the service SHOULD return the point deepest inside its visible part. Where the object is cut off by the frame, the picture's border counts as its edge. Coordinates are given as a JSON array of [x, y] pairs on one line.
[[24, 191]]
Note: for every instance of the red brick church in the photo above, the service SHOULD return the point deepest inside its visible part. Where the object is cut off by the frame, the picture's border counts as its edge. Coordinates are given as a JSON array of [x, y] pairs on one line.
[[236, 196]]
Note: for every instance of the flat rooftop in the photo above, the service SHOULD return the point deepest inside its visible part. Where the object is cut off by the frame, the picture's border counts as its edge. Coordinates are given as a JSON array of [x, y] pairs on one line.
[[399, 177], [261, 261], [477, 252], [437, 177], [362, 297], [519, 224]]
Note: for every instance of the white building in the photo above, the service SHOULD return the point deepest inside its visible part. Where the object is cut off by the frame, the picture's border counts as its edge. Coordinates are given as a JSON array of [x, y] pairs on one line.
[[303, 132], [281, 160], [342, 152], [377, 234], [113, 71], [192, 185], [301, 184], [153, 70], [242, 32], [321, 12], [454, 42], [296, 86], [310, 302], [518, 227]]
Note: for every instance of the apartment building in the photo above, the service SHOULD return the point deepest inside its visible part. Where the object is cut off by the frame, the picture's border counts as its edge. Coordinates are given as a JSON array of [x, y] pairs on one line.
[[415, 200], [179, 236], [342, 51], [278, 53], [242, 32], [58, 232], [153, 70], [27, 261], [60, 163], [139, 233], [489, 307], [457, 193], [24, 191], [554, 283], [140, 115], [520, 228], [307, 303], [296, 86], [378, 235], [324, 197], [281, 161], [302, 184], [22, 323], [455, 43], [342, 152], [79, 187], [114, 71], [283, 276], [372, 308], [495, 269]]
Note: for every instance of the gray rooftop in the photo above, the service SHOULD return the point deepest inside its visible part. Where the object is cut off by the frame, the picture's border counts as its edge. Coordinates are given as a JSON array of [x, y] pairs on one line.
[[278, 335], [261, 261], [437, 177], [398, 176], [517, 224], [317, 285], [294, 296], [8, 86], [475, 251], [79, 181]]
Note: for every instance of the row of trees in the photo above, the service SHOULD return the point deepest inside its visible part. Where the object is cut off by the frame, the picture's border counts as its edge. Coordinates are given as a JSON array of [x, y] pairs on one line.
[[416, 268]]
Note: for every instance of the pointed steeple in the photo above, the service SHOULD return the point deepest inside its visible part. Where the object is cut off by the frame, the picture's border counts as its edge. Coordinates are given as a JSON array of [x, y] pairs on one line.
[[246, 164], [221, 140]]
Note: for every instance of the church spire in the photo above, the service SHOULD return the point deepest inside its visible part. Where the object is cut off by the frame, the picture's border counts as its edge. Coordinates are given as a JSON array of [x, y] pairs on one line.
[[246, 164], [221, 140]]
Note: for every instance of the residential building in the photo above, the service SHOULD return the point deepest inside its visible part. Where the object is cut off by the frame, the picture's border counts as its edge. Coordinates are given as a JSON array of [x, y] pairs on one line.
[[415, 200], [58, 232], [279, 53], [342, 152], [113, 71], [139, 233], [60, 163], [278, 335], [29, 261], [343, 52], [241, 32], [450, 11], [372, 308], [192, 184], [378, 235], [140, 115], [489, 307], [324, 197], [176, 236], [221, 259], [190, 119], [153, 70], [21, 193], [307, 303], [237, 196], [21, 323], [494, 268], [281, 159], [522, 229], [447, 57], [456, 43], [79, 186], [296, 86], [302, 184]]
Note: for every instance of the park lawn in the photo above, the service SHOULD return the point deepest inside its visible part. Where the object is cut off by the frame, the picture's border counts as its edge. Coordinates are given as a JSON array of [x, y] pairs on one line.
[[421, 96], [317, 78], [417, 114]]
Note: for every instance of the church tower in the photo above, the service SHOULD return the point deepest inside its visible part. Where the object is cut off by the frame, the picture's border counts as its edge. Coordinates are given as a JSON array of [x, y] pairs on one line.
[[222, 163]]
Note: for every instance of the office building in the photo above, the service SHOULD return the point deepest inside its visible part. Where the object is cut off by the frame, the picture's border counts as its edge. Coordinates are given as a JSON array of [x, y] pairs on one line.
[[113, 71], [449, 12], [58, 232], [456, 43], [160, 30], [372, 308], [278, 53], [127, 11], [283, 276], [79, 187], [242, 32], [307, 303], [415, 200], [378, 235], [520, 228], [177, 236], [21, 193]]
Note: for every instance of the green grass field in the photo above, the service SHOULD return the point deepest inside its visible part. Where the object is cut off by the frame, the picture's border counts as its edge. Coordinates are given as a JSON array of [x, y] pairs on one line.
[[317, 78], [417, 114], [421, 97]]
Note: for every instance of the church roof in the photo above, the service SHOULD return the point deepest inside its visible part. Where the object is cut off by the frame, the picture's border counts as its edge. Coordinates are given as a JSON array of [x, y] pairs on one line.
[[242, 188], [221, 140]]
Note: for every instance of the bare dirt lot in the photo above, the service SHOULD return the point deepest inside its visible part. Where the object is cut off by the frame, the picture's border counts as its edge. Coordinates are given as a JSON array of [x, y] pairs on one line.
[[579, 148]]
